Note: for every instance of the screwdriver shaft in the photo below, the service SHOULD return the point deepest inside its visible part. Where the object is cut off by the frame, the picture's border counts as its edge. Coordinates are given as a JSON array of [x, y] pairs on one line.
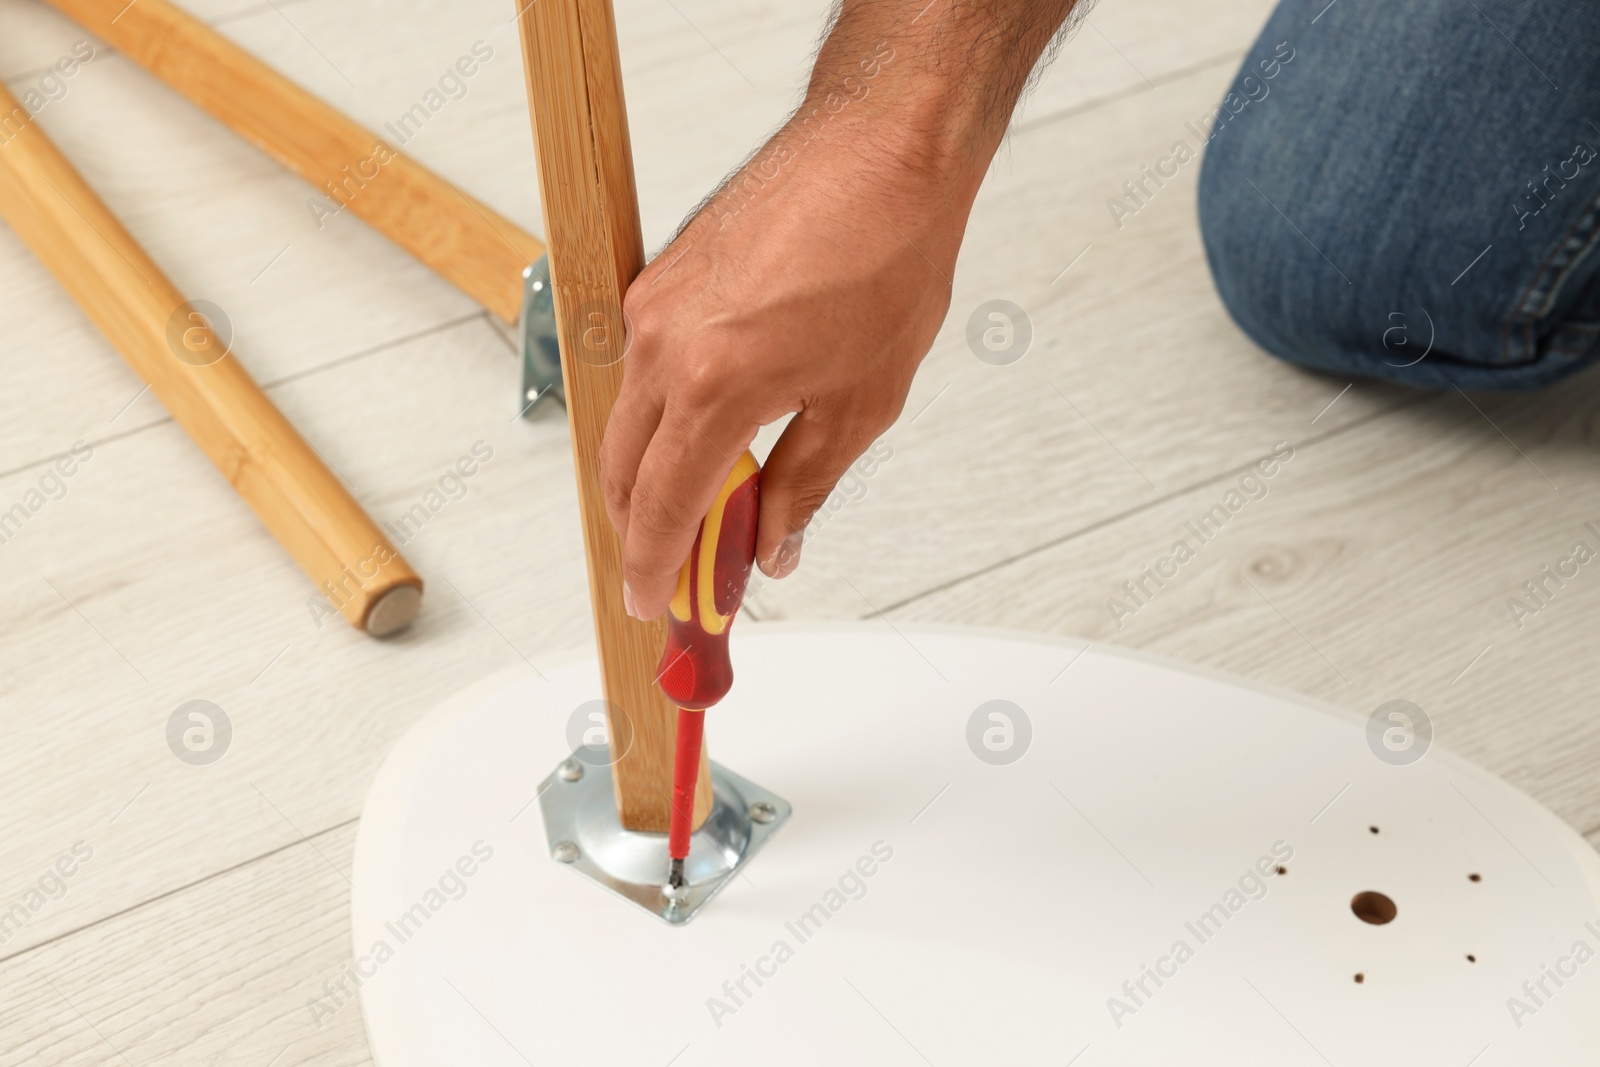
[[685, 776]]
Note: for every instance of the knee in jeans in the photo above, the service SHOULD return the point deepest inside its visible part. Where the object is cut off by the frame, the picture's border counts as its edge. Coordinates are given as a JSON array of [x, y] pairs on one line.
[[1261, 266]]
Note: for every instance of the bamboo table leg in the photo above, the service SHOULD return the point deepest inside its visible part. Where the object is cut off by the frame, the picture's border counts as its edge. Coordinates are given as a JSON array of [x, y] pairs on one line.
[[591, 221], [465, 241], [209, 394]]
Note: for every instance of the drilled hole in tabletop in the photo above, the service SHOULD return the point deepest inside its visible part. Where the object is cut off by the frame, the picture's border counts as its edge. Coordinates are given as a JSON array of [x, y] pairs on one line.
[[1373, 907]]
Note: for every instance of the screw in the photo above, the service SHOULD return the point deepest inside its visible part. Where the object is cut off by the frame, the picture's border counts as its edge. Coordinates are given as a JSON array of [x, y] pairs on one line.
[[763, 812], [570, 770], [564, 852]]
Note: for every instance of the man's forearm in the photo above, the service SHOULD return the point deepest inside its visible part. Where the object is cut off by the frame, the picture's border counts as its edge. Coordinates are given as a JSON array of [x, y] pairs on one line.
[[931, 85]]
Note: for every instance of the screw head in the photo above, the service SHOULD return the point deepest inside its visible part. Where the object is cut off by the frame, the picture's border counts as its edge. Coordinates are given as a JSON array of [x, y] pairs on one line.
[[762, 812], [570, 770], [564, 852]]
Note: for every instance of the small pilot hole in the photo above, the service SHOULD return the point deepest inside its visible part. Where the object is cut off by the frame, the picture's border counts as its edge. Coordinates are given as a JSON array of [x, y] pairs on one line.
[[1360, 978], [1373, 907]]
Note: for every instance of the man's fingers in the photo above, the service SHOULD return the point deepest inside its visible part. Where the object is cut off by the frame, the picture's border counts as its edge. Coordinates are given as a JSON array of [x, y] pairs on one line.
[[804, 466], [679, 476], [634, 418]]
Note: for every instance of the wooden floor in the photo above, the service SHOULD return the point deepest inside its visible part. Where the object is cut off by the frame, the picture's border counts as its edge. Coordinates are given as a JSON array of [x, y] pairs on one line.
[[215, 902]]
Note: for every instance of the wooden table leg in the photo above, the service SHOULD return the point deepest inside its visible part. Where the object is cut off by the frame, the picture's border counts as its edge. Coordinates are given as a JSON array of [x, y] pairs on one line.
[[591, 220], [465, 241], [174, 348]]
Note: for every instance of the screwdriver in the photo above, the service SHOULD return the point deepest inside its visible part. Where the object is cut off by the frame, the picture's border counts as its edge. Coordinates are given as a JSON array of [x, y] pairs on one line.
[[695, 671]]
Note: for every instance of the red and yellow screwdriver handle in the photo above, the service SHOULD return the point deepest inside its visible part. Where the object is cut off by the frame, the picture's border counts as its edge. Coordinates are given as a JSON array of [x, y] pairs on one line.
[[695, 671]]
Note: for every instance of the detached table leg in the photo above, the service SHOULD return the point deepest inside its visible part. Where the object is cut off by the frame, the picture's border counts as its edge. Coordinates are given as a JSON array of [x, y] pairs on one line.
[[189, 369]]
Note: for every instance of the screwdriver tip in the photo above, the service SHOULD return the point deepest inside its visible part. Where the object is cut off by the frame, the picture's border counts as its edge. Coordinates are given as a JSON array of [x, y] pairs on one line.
[[676, 891]]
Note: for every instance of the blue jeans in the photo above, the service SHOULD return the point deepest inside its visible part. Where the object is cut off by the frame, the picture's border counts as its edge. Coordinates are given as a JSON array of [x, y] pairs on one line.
[[1413, 194]]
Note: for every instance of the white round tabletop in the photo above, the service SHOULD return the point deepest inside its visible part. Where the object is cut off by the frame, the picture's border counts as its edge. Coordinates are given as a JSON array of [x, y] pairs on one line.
[[1004, 850]]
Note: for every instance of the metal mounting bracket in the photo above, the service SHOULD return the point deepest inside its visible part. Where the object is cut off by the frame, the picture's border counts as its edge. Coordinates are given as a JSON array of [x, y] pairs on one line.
[[581, 825], [542, 388]]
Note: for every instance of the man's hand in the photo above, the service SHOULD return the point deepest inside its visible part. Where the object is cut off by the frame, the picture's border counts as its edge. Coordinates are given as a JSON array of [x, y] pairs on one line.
[[813, 282], [802, 299]]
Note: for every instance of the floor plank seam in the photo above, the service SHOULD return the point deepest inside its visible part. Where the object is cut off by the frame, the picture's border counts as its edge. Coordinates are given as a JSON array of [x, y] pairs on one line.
[[340, 361], [1160, 81], [305, 840], [1138, 509], [103, 49], [251, 12], [268, 386], [732, 41]]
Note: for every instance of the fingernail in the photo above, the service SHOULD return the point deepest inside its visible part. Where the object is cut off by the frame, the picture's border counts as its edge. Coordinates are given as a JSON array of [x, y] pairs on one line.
[[627, 599]]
